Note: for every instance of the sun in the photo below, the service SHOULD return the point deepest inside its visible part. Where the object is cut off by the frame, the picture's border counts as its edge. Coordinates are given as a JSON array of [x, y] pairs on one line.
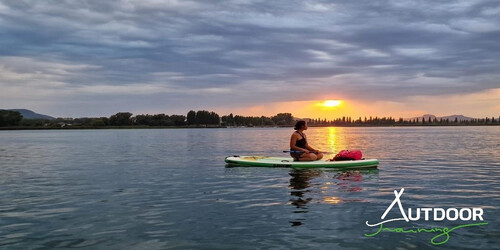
[[331, 103]]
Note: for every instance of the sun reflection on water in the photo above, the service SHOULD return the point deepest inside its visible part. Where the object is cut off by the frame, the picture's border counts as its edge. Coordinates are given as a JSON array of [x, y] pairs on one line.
[[332, 200], [332, 135], [334, 141]]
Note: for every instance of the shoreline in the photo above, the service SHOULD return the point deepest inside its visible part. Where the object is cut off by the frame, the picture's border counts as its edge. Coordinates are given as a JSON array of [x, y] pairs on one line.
[[218, 127], [107, 127]]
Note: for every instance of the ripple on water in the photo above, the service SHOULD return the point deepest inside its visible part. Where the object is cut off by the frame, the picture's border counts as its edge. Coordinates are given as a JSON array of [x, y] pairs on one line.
[[162, 189]]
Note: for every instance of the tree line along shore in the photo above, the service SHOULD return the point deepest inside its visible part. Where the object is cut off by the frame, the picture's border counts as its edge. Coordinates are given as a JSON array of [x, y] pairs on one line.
[[206, 119]]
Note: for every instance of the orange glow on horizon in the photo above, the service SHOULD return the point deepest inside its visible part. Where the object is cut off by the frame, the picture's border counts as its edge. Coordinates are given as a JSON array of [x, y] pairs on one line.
[[328, 109], [468, 105]]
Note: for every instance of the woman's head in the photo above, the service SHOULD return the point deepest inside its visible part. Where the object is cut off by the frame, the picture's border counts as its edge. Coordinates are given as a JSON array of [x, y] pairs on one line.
[[300, 125]]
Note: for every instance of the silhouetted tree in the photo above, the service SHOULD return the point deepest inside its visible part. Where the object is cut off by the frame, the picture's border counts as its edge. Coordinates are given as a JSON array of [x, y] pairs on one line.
[[228, 120], [283, 119], [191, 117], [10, 118], [121, 119], [207, 118], [177, 120]]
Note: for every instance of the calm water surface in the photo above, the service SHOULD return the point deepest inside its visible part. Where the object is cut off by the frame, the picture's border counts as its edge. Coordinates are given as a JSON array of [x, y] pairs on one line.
[[169, 188]]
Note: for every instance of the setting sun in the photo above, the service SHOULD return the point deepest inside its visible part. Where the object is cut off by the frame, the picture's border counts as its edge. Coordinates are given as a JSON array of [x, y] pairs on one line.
[[331, 103]]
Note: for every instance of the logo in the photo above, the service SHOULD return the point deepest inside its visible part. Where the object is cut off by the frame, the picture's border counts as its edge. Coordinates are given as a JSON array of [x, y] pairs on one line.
[[473, 217]]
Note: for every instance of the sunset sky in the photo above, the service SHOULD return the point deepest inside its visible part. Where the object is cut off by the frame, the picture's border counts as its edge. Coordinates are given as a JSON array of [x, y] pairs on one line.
[[381, 58]]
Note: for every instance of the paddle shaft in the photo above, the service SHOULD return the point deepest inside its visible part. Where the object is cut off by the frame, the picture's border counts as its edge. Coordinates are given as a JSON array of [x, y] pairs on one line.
[[297, 151]]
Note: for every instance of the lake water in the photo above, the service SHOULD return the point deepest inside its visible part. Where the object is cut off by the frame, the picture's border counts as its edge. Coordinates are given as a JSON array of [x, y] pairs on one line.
[[169, 188]]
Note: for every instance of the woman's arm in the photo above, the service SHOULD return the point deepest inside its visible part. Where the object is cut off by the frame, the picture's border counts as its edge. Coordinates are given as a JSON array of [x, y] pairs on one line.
[[310, 148]]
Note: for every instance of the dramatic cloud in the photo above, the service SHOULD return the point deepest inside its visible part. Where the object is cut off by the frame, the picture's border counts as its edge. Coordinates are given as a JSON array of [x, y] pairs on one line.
[[74, 58]]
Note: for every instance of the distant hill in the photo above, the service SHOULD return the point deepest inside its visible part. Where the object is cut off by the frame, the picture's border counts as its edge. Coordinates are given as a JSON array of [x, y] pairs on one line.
[[28, 114], [450, 117], [459, 117]]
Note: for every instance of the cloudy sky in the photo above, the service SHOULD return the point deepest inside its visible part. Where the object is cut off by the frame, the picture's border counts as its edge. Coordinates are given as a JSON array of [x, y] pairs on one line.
[[399, 58]]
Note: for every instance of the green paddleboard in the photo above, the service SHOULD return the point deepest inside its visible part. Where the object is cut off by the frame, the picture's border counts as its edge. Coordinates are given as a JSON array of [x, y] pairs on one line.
[[287, 162]]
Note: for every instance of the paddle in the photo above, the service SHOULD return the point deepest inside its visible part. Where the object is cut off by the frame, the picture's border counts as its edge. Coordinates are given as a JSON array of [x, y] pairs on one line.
[[297, 151]]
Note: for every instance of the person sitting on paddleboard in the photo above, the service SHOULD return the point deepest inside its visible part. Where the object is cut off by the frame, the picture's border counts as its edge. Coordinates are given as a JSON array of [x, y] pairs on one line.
[[299, 148]]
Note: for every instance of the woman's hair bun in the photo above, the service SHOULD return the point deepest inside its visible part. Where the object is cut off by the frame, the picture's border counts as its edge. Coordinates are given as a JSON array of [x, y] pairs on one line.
[[299, 125]]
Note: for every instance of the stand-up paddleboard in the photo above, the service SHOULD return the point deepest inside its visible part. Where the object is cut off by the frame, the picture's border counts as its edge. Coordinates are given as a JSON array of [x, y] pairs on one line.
[[288, 162]]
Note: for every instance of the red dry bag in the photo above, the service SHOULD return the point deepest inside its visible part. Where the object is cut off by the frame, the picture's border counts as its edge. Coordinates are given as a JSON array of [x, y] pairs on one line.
[[347, 155]]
